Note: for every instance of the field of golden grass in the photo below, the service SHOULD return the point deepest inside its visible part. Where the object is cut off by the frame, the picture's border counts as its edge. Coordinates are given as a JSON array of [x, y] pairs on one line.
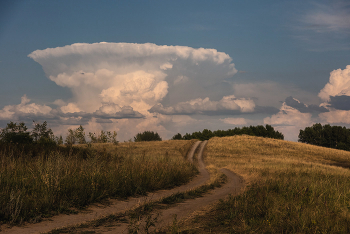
[[291, 188], [59, 179]]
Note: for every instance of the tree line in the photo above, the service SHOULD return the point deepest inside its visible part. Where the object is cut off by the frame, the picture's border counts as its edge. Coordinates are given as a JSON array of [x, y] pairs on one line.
[[336, 137], [17, 133], [260, 130]]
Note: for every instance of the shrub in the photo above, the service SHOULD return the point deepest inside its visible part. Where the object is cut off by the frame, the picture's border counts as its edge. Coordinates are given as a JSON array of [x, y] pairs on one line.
[[16, 133]]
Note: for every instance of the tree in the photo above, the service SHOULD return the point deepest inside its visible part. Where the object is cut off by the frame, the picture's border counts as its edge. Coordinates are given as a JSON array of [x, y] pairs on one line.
[[16, 133], [147, 136], [177, 137], [41, 134], [80, 135], [104, 137], [71, 139], [327, 136]]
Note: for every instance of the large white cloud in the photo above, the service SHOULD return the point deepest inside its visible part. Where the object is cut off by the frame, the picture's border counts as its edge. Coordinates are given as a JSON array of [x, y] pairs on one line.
[[112, 81], [136, 75]]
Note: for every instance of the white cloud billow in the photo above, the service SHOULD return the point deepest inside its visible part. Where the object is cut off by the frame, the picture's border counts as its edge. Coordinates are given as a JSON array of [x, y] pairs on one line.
[[134, 77], [336, 95], [339, 84], [24, 110], [202, 106], [127, 74]]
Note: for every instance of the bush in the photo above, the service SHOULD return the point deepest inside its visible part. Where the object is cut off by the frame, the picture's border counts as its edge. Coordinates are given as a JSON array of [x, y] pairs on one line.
[[147, 136], [16, 133]]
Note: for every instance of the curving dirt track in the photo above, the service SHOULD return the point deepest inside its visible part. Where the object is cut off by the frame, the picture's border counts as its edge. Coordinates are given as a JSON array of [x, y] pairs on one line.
[[233, 186]]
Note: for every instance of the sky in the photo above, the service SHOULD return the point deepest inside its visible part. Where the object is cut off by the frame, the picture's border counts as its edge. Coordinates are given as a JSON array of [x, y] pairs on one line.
[[175, 66]]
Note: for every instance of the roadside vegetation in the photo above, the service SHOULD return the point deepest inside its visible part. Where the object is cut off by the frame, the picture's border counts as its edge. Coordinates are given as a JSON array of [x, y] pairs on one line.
[[43, 178], [291, 188], [260, 130]]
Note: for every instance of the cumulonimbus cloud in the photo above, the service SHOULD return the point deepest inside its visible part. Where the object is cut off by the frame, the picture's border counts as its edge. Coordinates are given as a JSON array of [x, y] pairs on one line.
[[136, 75], [131, 78]]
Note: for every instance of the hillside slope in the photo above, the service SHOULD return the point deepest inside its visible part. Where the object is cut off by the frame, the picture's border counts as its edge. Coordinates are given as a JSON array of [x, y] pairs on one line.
[[292, 187]]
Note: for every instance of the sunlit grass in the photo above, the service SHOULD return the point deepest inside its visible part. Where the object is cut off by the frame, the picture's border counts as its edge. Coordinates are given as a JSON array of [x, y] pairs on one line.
[[36, 187], [291, 188]]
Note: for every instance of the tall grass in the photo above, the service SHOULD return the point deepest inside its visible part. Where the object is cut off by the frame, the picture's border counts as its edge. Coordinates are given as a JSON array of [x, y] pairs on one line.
[[292, 188], [54, 182]]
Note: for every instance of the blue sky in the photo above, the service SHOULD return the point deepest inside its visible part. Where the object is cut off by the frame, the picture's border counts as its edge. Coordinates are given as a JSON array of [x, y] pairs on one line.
[[282, 52]]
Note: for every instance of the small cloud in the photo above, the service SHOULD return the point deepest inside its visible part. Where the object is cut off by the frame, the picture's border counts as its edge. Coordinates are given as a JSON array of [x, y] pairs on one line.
[[206, 106], [303, 108], [181, 79], [234, 121]]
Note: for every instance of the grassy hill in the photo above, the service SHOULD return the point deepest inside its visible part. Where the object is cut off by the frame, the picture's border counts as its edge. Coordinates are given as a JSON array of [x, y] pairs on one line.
[[291, 188]]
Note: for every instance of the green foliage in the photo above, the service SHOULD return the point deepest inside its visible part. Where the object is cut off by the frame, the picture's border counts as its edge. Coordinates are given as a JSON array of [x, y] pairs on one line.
[[41, 134], [147, 136], [76, 136], [71, 139], [177, 137], [104, 137], [267, 131], [15, 133], [327, 136]]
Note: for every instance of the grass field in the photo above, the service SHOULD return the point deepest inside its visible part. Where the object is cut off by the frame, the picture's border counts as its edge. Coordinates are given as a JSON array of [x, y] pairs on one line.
[[52, 182], [291, 188]]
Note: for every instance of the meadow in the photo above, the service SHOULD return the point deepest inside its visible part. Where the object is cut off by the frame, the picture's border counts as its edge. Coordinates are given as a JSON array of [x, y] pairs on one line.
[[291, 188], [35, 184]]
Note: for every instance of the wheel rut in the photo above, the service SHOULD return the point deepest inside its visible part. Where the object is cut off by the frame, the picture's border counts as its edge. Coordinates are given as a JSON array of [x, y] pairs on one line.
[[182, 210]]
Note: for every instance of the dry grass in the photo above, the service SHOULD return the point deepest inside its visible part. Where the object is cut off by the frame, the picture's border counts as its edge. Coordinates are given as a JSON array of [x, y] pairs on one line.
[[52, 182], [291, 188]]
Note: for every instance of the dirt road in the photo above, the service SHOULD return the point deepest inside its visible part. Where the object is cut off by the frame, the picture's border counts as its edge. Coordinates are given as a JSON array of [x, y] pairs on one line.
[[182, 210]]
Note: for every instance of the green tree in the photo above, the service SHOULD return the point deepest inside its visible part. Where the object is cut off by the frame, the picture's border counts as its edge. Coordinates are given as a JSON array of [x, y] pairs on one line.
[[177, 137], [42, 134], [16, 133], [80, 135], [71, 139], [147, 136]]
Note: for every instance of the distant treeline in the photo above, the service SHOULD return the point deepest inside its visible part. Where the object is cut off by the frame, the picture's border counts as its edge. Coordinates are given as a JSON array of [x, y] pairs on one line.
[[260, 130], [336, 137]]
